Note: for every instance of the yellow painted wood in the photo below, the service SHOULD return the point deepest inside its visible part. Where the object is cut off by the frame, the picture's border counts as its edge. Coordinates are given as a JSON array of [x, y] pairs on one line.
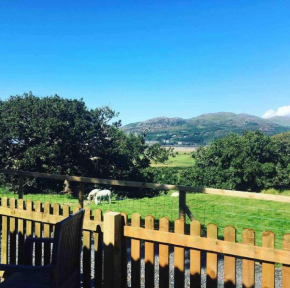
[[124, 252], [112, 249], [268, 269], [286, 268], [56, 212], [76, 209], [46, 234], [65, 210], [29, 230], [47, 218], [38, 234], [248, 265], [164, 256], [211, 259], [12, 231], [98, 249], [87, 252], [4, 242], [135, 253], [230, 262], [212, 245], [179, 256], [149, 254], [195, 258]]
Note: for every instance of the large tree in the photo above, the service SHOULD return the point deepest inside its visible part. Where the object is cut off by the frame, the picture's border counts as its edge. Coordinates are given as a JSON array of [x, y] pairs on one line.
[[57, 135], [252, 162]]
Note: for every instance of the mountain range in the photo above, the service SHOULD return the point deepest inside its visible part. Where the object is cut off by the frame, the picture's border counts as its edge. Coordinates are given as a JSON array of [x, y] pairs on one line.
[[203, 129]]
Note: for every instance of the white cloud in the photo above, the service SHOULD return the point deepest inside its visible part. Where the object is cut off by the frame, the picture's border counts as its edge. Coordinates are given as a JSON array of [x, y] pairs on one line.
[[281, 111]]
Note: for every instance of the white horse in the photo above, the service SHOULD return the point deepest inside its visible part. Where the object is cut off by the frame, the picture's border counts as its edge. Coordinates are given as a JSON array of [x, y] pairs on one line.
[[92, 194], [103, 194]]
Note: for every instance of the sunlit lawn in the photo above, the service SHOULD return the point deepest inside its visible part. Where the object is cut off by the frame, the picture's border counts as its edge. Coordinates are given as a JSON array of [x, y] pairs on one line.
[[241, 213], [180, 160]]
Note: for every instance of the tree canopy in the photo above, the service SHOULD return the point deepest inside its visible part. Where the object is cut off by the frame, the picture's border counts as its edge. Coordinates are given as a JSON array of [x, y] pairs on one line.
[[252, 162], [57, 135]]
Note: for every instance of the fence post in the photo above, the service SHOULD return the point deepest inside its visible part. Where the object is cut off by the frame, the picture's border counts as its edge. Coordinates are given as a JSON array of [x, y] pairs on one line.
[[81, 195], [112, 250], [20, 188], [182, 204]]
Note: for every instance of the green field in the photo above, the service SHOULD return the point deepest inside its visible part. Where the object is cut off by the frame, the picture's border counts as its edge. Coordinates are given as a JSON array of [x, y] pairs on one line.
[[241, 213], [222, 210], [180, 160]]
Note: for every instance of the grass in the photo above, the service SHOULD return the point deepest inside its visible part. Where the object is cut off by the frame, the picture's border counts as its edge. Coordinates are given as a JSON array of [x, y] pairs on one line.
[[258, 215], [51, 198], [180, 160], [241, 213]]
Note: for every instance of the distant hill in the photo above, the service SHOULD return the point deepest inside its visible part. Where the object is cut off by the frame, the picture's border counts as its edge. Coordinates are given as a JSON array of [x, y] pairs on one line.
[[281, 120], [205, 128]]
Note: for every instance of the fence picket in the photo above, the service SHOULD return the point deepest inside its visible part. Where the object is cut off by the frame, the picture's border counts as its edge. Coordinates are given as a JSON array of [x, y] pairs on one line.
[[28, 232], [12, 230], [179, 256], [46, 234], [211, 259], [164, 256], [124, 252], [55, 211], [65, 210], [98, 244], [248, 265], [76, 209], [87, 252], [37, 225], [4, 243], [230, 262], [268, 269], [21, 206], [149, 254], [195, 258], [135, 253], [286, 268], [10, 224]]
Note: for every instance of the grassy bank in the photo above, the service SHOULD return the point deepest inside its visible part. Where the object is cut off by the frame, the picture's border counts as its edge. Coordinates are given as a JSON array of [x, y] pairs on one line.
[[180, 160]]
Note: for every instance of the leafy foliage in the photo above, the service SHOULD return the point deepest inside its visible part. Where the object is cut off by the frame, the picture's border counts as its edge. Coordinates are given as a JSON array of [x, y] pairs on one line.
[[252, 162], [63, 136]]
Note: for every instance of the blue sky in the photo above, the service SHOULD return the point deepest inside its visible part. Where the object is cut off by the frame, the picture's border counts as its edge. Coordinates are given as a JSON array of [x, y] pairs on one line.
[[149, 58]]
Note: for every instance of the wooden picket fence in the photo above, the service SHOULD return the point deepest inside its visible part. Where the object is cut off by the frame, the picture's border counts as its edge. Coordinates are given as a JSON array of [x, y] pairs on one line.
[[110, 244], [20, 219]]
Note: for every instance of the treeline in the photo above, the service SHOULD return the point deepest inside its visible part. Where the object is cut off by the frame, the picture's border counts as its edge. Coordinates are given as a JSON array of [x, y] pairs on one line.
[[62, 136], [250, 162]]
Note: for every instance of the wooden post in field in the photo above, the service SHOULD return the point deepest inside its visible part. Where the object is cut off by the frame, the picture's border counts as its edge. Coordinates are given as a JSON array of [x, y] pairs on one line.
[[81, 195], [112, 250], [182, 204], [20, 188]]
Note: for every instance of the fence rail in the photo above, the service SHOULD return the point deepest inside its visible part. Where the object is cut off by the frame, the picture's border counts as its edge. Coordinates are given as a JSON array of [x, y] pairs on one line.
[[107, 244], [183, 208]]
